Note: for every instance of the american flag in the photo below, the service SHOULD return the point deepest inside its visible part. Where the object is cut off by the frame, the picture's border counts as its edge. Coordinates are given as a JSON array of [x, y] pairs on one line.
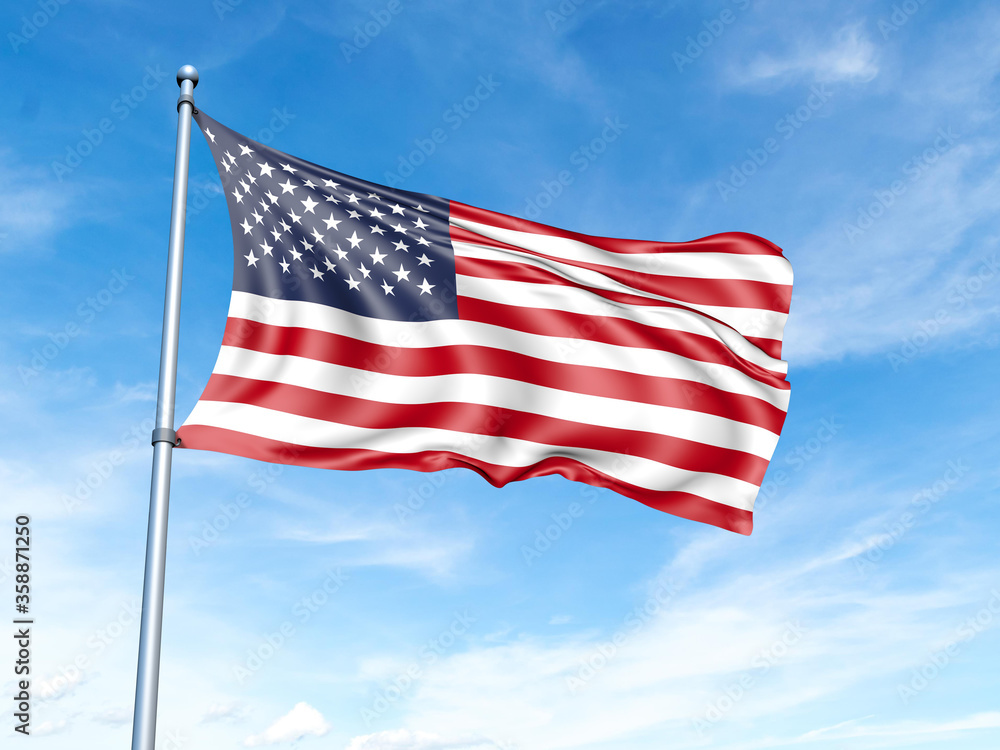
[[371, 327]]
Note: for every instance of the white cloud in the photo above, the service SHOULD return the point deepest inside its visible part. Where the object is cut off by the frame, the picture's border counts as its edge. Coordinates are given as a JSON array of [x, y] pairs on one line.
[[32, 209], [850, 56], [116, 717], [224, 712], [406, 739], [560, 619], [301, 721], [50, 727]]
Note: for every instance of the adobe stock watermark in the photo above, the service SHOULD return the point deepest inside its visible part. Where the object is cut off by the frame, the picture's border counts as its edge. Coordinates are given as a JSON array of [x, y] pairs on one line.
[[38, 20], [921, 503], [302, 611], [454, 117], [121, 107], [86, 312], [399, 686], [714, 28], [561, 13], [900, 16], [885, 198], [737, 690], [71, 674], [205, 187], [957, 295], [786, 127], [939, 660], [798, 458], [104, 467], [582, 158], [634, 622], [366, 32]]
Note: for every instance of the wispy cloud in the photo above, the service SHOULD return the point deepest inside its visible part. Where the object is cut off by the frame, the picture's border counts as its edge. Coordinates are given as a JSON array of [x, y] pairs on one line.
[[302, 721]]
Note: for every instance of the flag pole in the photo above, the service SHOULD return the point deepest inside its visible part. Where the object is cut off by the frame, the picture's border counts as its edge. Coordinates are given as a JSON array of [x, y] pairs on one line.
[[164, 437]]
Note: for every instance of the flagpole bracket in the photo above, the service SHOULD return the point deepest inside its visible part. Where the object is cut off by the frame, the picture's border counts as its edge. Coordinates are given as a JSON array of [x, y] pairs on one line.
[[187, 79], [165, 435]]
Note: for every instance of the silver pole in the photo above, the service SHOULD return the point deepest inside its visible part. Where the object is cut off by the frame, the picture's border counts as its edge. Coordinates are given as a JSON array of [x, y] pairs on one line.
[[164, 438]]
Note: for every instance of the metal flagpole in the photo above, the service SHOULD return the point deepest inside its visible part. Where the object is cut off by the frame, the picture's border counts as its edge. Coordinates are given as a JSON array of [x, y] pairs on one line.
[[164, 437]]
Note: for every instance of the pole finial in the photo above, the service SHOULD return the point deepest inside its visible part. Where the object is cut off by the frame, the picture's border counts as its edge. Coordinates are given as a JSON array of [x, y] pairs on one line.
[[187, 73]]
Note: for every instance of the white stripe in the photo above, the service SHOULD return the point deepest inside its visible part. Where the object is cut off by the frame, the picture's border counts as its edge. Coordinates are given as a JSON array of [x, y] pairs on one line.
[[504, 451], [582, 352], [773, 269], [748, 321], [488, 390], [548, 297]]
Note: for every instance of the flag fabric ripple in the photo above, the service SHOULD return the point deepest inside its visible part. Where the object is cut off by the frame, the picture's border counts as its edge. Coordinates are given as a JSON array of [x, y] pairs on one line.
[[372, 327]]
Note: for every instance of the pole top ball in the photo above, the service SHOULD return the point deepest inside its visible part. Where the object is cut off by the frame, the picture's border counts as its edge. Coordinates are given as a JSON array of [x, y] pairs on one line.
[[187, 73]]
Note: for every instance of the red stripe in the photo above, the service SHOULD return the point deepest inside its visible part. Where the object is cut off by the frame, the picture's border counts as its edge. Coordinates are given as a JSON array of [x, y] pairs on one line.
[[739, 243], [758, 295], [476, 419], [447, 360], [614, 331], [681, 504]]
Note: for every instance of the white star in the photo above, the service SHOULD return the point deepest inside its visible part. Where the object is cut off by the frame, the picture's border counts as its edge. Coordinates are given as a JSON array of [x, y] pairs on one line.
[[307, 245], [400, 228], [317, 236], [246, 188], [331, 223], [424, 260], [264, 206], [329, 265], [289, 169], [287, 187], [309, 184], [246, 227], [419, 223], [271, 197], [423, 241], [374, 197], [354, 214], [266, 248], [421, 208], [296, 255], [425, 288], [387, 289], [377, 257], [236, 192], [331, 199], [228, 168], [340, 253], [209, 134], [401, 246], [284, 265], [295, 217], [352, 283], [402, 274], [317, 274], [245, 150], [252, 178], [364, 271], [309, 204], [276, 233], [397, 209], [285, 227], [231, 158], [259, 218], [265, 169], [251, 259], [352, 198], [377, 230], [331, 184], [375, 213], [354, 240]]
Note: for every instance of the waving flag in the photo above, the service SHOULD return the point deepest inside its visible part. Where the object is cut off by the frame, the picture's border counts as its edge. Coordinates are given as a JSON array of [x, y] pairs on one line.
[[372, 327]]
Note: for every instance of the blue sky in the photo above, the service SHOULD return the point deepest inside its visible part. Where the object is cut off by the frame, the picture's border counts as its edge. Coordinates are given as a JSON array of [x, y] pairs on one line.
[[305, 606]]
